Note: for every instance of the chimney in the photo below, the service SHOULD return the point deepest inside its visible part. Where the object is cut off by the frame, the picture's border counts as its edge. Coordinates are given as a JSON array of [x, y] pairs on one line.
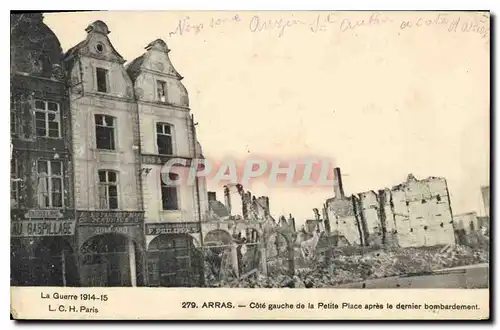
[[263, 202], [337, 184], [227, 199], [246, 200], [291, 223], [326, 220], [283, 222], [485, 192], [212, 196]]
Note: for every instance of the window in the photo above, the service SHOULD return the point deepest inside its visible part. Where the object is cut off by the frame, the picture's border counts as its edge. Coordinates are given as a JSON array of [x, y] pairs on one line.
[[13, 116], [108, 190], [105, 132], [50, 184], [164, 139], [14, 183], [99, 47], [47, 119], [102, 80], [161, 88], [13, 119], [169, 193]]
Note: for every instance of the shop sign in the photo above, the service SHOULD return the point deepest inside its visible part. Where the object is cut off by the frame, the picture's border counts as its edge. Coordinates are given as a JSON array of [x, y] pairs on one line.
[[86, 232], [161, 159], [172, 228], [43, 214], [109, 217], [110, 229], [33, 228]]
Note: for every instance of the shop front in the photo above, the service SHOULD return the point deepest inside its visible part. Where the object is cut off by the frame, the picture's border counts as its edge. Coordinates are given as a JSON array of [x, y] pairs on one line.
[[42, 248], [174, 256], [110, 248]]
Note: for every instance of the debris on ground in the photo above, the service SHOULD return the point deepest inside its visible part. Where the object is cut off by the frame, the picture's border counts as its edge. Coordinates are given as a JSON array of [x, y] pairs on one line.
[[342, 266]]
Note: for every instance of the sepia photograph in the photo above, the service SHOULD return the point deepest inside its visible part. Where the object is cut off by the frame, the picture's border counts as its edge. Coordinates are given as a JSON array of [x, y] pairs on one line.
[[217, 150]]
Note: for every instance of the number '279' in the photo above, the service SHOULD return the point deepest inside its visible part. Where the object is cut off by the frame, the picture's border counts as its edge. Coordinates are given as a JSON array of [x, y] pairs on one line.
[[189, 304]]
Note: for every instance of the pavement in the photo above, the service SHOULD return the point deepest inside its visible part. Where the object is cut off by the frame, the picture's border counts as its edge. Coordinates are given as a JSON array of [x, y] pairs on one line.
[[466, 277]]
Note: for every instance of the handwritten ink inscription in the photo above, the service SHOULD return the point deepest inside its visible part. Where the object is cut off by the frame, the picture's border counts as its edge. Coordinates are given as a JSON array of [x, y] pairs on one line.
[[185, 25], [452, 23], [339, 22]]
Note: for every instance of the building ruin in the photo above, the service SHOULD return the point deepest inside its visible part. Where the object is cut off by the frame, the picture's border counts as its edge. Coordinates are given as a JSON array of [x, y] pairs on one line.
[[414, 213]]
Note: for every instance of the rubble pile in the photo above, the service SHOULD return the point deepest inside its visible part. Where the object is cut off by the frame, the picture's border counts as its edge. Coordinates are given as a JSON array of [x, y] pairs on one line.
[[354, 267]]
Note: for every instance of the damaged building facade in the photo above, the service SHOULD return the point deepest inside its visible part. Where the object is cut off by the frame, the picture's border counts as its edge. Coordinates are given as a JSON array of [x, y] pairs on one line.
[[173, 210], [42, 208], [472, 228], [105, 137], [414, 213], [133, 228], [241, 237], [116, 222]]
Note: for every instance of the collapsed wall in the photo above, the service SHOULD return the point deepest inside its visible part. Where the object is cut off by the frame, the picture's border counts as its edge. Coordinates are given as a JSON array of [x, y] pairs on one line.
[[414, 213]]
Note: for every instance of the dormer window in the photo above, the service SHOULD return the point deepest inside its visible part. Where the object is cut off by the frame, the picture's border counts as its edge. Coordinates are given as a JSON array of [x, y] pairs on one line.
[[161, 87], [102, 80]]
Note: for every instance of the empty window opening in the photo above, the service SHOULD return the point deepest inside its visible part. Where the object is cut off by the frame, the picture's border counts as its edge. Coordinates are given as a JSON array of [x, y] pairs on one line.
[[105, 132], [161, 87], [164, 139], [102, 80], [169, 193]]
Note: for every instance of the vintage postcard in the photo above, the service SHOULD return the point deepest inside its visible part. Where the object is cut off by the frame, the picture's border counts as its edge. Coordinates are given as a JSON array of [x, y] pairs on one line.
[[250, 165]]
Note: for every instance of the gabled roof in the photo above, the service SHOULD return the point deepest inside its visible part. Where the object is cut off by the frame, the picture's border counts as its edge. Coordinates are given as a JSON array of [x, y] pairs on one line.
[[133, 68], [97, 27]]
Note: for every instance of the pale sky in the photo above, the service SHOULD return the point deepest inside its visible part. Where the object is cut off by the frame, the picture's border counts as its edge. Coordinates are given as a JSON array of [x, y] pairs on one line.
[[379, 100]]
